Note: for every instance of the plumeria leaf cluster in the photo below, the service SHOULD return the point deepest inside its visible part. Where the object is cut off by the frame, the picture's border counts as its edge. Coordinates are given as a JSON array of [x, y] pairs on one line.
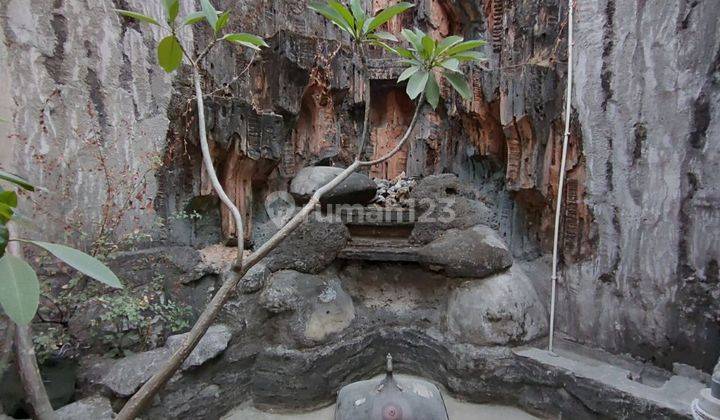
[[356, 22], [19, 285], [170, 51], [427, 58]]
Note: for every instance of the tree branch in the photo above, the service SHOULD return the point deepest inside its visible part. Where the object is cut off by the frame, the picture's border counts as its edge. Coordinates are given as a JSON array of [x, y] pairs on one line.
[[208, 163], [25, 355]]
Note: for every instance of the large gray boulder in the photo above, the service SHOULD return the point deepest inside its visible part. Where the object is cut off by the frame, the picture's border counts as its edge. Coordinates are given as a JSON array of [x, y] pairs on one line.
[[124, 376], [443, 203], [310, 248], [90, 408], [356, 189], [499, 310], [318, 305], [476, 252]]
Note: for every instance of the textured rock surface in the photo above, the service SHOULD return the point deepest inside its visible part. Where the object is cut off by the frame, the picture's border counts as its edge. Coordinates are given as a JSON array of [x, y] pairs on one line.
[[124, 376], [254, 279], [443, 203], [310, 248], [476, 252], [91, 408], [356, 189], [318, 305], [214, 342], [502, 309]]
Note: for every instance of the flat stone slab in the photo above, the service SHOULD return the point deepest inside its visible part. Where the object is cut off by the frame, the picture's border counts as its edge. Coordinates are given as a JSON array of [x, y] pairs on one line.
[[676, 394], [367, 249]]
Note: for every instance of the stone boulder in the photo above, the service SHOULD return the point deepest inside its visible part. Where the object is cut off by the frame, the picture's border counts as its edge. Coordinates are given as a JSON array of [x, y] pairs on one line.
[[90, 408], [499, 310], [310, 248], [214, 342], [356, 189], [124, 376], [443, 203], [254, 279], [476, 252], [318, 306]]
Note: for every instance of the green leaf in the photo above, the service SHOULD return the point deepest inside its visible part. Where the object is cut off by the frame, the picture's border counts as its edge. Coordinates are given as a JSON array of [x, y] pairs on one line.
[[19, 181], [169, 54], [428, 46], [416, 84], [465, 46], [82, 262], [172, 8], [4, 238], [194, 18], [6, 213], [432, 91], [211, 14], [470, 56], [386, 15], [459, 83], [407, 73], [359, 13], [137, 16], [413, 39], [383, 35], [451, 64], [344, 12], [448, 42], [9, 198], [248, 40], [222, 21], [19, 289], [333, 16], [405, 53]]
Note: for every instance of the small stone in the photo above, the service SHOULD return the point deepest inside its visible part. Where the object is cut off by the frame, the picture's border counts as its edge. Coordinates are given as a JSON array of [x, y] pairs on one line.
[[214, 342]]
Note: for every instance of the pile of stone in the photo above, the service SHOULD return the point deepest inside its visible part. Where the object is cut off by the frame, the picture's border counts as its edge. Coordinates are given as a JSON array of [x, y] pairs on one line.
[[393, 193]]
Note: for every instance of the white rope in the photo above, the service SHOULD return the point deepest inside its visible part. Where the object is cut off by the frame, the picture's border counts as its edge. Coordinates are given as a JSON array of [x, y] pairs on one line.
[[561, 182]]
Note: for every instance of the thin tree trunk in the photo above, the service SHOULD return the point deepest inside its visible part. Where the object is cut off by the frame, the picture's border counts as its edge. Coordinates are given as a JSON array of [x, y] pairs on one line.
[[6, 348], [147, 392], [35, 392]]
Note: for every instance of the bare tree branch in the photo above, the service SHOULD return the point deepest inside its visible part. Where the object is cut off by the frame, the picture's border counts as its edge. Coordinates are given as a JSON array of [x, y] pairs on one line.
[[208, 163], [25, 355]]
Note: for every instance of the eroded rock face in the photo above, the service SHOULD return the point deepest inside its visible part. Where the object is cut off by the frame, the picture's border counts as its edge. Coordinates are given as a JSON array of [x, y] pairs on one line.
[[502, 309], [476, 252], [310, 248], [358, 188], [444, 203], [318, 306]]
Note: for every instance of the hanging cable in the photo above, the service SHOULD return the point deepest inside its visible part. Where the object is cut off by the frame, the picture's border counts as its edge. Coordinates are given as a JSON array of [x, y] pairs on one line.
[[561, 181]]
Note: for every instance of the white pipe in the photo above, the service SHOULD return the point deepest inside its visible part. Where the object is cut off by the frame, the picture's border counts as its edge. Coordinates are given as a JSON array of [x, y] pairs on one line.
[[561, 182]]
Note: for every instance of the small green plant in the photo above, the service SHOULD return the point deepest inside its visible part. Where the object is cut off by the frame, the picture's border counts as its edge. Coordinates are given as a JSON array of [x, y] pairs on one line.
[[136, 321], [19, 285], [360, 26], [426, 57]]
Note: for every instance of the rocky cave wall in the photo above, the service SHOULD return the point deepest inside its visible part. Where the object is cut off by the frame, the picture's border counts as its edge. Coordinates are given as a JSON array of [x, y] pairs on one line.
[[88, 106]]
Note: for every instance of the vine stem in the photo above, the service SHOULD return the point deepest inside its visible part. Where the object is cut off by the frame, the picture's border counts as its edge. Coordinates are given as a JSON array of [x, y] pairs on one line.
[[210, 168]]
